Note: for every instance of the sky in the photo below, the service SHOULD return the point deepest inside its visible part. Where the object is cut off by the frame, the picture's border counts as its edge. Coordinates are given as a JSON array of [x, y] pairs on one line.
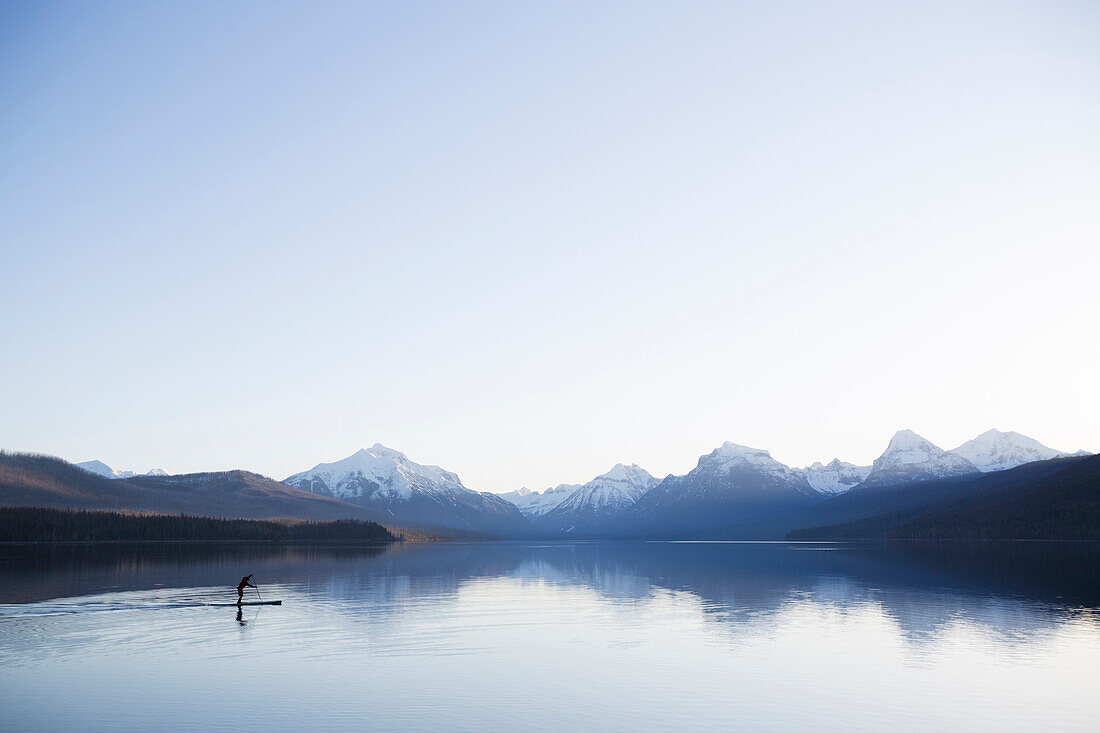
[[526, 241]]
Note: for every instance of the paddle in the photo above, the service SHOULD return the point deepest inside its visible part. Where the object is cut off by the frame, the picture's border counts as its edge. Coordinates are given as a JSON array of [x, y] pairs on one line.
[[258, 593]]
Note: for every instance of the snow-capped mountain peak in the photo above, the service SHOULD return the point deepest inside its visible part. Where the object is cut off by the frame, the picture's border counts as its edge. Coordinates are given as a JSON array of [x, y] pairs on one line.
[[910, 457], [996, 450], [536, 503], [618, 472], [385, 479], [380, 451], [613, 490], [734, 450], [100, 468], [730, 456], [908, 447], [619, 487], [578, 510], [836, 476], [733, 484], [378, 472]]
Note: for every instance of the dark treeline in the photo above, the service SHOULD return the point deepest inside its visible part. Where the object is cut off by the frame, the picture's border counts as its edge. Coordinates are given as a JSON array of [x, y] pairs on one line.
[[35, 524], [1062, 505]]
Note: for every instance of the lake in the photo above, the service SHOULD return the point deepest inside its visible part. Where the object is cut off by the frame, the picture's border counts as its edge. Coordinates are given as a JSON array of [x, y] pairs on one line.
[[600, 636]]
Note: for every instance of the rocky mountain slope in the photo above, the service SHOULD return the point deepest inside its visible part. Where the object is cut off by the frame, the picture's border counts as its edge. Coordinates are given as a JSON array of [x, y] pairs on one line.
[[836, 476], [536, 503], [734, 485], [995, 450], [591, 508], [385, 480], [909, 457]]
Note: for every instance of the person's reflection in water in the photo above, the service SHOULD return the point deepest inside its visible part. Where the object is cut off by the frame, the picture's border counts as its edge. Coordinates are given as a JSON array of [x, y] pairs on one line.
[[240, 618]]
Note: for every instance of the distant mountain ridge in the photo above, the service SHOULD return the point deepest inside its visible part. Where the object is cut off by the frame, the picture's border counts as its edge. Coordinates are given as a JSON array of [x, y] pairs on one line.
[[99, 468], [744, 491], [835, 477], [536, 503], [592, 507], [732, 485], [734, 491], [618, 488]]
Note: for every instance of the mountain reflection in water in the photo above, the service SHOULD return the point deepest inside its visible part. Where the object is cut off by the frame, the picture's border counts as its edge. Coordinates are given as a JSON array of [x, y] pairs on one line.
[[551, 636]]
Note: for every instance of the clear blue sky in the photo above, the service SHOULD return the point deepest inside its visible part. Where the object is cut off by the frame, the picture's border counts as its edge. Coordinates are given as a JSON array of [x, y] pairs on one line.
[[528, 240]]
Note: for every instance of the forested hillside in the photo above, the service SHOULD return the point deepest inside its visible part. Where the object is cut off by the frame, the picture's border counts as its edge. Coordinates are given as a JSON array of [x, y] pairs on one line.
[[30, 524]]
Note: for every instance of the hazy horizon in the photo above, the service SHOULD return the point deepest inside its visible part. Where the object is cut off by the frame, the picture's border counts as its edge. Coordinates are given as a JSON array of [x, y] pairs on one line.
[[527, 243]]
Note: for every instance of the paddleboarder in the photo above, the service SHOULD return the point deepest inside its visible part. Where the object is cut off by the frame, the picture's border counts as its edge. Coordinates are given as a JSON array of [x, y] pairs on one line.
[[245, 583]]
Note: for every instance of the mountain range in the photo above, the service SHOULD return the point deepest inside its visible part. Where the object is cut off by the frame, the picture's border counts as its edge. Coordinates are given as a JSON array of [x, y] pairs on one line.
[[733, 485], [536, 503], [591, 509], [1056, 498], [741, 491], [734, 491], [99, 468], [30, 480]]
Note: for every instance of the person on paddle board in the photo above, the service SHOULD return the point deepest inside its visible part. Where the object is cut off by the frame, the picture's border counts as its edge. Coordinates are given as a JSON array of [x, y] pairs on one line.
[[242, 585]]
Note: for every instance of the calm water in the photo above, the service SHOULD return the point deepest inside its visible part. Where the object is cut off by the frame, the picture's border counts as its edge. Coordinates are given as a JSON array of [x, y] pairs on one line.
[[555, 637]]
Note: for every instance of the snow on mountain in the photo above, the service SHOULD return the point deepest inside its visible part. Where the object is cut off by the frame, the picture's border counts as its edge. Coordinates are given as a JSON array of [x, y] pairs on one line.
[[909, 457], [535, 503], [100, 468], [379, 472], [383, 478], [586, 509], [733, 485], [618, 488], [732, 456], [995, 450], [835, 477]]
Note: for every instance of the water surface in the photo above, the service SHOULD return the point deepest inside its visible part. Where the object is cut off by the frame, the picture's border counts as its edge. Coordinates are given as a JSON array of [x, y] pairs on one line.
[[552, 637]]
